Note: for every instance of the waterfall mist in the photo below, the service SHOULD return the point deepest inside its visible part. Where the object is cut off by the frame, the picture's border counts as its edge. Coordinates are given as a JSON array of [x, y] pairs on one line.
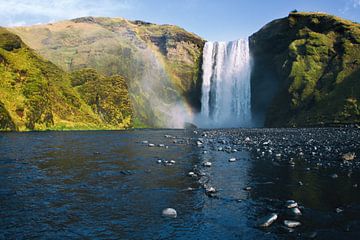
[[226, 93], [157, 94]]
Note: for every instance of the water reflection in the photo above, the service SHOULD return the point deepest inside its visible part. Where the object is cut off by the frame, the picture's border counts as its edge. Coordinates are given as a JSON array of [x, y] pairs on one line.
[[109, 185]]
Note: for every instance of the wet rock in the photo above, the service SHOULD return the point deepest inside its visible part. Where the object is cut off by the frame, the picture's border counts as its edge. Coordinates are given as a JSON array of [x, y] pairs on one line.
[[172, 161], [161, 145], [350, 156], [292, 224], [338, 210], [247, 188], [169, 212], [145, 142], [192, 174], [267, 220], [232, 160], [207, 164], [247, 139], [291, 204], [210, 190], [97, 153], [334, 176], [159, 161], [151, 145], [295, 211], [287, 229], [292, 163], [199, 143]]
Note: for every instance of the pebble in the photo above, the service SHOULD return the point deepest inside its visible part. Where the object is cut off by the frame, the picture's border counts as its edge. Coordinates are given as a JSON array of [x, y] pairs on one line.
[[191, 174], [333, 176], [268, 220], [350, 156], [291, 204], [169, 212], [292, 224], [338, 210], [232, 159], [172, 161], [161, 145], [247, 188], [207, 164], [159, 161], [210, 190], [145, 142], [295, 211], [151, 145]]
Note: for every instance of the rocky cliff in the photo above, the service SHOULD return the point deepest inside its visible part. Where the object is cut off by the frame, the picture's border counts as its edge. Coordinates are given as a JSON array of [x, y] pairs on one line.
[[306, 71], [37, 95], [160, 62]]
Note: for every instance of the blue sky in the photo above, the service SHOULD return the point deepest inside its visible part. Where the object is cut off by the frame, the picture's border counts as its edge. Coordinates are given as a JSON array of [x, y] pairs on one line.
[[211, 19]]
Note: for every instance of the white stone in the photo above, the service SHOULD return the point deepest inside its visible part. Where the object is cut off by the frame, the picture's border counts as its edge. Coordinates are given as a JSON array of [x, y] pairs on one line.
[[169, 212], [292, 224], [207, 164], [268, 220]]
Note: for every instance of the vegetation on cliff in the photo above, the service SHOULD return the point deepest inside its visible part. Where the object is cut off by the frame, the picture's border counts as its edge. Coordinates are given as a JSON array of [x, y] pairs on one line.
[[309, 64], [107, 96], [156, 60], [36, 95]]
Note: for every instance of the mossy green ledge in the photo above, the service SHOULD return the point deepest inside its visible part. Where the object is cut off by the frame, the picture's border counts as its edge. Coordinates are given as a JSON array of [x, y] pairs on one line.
[[308, 65]]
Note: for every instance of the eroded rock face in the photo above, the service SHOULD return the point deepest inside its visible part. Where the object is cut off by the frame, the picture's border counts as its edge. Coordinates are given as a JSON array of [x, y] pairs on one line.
[[306, 71]]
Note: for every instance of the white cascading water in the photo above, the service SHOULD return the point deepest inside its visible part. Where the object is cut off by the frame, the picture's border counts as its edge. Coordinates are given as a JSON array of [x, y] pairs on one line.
[[226, 93]]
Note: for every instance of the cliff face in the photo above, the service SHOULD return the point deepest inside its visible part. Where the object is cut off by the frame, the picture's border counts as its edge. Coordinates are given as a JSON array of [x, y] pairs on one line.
[[36, 95], [161, 63], [308, 65]]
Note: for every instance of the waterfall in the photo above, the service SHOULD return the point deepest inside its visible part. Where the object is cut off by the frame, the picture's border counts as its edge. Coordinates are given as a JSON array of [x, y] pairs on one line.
[[226, 93]]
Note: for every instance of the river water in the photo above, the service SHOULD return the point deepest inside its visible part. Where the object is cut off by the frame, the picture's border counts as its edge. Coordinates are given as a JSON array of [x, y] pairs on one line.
[[109, 184]]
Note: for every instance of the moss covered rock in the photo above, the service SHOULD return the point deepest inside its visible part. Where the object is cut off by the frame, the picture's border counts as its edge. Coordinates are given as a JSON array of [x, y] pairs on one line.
[[308, 64]]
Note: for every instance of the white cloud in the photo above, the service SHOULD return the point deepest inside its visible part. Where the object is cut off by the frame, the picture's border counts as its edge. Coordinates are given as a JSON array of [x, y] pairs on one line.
[[24, 12], [356, 3]]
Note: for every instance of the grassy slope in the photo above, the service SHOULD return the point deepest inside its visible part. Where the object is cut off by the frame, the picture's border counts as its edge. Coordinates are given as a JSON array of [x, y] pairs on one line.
[[118, 46], [37, 95], [315, 61]]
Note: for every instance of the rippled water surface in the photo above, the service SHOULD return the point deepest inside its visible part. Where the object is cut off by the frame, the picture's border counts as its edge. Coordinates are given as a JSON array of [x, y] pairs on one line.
[[109, 185]]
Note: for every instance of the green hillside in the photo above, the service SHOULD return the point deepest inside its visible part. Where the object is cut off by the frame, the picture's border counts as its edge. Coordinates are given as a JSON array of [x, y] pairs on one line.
[[37, 95], [310, 64], [161, 63]]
